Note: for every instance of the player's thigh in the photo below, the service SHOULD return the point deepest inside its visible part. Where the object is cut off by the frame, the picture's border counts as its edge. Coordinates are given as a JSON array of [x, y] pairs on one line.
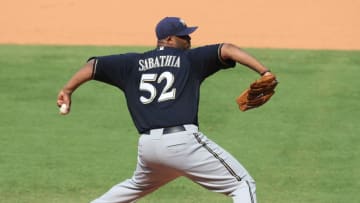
[[214, 167]]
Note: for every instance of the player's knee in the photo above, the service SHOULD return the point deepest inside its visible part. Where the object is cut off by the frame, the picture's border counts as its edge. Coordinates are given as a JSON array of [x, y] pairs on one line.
[[252, 185], [250, 181], [245, 192]]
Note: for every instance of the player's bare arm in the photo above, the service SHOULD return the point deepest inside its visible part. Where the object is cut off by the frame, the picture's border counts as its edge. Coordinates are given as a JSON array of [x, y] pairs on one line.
[[80, 77], [230, 51], [259, 91]]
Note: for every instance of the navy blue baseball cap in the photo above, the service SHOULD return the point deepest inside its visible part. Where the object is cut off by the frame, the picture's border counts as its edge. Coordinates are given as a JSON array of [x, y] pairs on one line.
[[170, 26]]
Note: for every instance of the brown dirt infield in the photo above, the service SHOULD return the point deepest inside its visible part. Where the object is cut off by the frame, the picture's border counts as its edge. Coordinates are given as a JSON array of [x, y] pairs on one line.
[[306, 24]]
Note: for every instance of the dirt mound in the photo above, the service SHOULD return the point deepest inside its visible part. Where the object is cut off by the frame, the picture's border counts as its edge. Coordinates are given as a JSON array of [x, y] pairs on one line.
[[322, 24]]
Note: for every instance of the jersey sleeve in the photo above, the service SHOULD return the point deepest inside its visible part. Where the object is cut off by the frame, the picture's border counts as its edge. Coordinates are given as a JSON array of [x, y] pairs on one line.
[[207, 60], [112, 69]]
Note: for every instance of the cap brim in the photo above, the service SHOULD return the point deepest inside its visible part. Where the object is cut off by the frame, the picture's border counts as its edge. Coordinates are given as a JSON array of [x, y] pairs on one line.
[[187, 31]]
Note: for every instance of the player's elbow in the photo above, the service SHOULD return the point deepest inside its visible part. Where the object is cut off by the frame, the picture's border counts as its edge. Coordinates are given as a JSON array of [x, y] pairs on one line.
[[229, 50]]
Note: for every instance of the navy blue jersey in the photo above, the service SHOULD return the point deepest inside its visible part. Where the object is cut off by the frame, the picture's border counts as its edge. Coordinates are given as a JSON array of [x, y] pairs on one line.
[[161, 86]]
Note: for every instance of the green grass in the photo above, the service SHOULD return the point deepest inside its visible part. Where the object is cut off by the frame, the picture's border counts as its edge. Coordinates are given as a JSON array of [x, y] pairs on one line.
[[302, 146]]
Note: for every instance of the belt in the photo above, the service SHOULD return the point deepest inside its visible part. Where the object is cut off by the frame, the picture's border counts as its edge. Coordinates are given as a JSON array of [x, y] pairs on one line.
[[169, 130]]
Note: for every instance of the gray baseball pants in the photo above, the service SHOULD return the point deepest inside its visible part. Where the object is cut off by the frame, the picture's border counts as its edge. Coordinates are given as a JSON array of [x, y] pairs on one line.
[[165, 157]]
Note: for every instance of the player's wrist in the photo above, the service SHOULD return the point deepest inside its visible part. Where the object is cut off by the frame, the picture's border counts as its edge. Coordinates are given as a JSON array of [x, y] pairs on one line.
[[67, 90], [265, 72]]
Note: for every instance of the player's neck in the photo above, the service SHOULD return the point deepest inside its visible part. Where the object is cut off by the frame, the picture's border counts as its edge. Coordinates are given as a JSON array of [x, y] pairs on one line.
[[164, 43]]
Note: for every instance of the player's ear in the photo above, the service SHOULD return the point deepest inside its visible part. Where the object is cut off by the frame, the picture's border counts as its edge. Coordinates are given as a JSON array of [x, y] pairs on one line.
[[169, 38], [170, 41]]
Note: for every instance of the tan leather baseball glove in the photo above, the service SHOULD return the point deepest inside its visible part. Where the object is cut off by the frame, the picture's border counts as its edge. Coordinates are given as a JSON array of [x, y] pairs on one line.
[[258, 93]]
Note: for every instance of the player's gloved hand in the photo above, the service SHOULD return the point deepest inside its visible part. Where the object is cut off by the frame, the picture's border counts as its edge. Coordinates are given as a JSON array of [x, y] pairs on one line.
[[258, 93]]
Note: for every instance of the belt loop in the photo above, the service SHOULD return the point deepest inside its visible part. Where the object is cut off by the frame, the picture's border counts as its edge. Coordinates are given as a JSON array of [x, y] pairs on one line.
[[191, 127]]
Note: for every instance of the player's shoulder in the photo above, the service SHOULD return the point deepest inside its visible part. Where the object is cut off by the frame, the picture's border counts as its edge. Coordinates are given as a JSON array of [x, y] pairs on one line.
[[116, 56], [129, 57], [207, 46], [204, 51], [162, 52]]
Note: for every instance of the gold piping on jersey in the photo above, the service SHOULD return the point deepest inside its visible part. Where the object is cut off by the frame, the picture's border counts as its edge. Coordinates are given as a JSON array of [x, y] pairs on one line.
[[94, 68], [224, 62]]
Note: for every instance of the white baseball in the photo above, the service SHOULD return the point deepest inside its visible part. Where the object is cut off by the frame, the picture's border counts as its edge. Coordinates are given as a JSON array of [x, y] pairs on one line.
[[63, 109]]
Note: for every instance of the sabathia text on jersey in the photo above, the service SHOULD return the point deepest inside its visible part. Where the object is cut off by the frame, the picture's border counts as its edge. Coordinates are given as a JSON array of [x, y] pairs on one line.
[[159, 62]]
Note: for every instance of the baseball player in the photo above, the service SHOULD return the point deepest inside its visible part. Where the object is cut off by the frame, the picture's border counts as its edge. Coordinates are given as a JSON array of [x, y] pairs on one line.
[[162, 88]]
